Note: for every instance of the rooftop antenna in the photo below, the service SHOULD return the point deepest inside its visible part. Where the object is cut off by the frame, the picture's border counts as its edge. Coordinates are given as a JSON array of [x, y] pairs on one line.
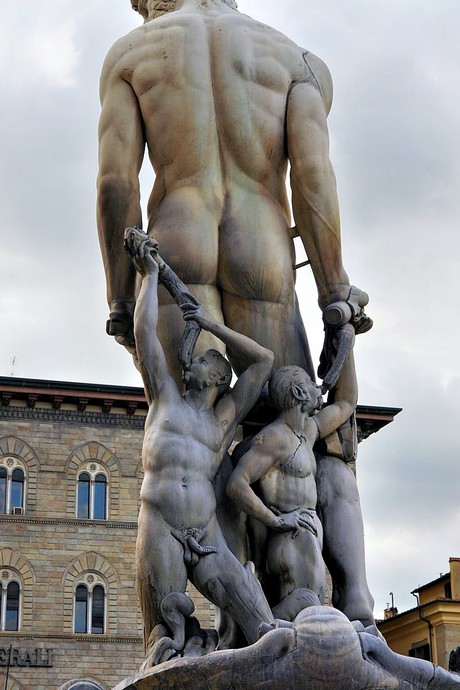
[[13, 362]]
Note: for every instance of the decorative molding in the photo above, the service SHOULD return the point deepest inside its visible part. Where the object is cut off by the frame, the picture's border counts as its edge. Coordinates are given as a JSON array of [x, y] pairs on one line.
[[57, 402], [129, 421], [131, 408], [68, 521], [73, 637], [32, 400]]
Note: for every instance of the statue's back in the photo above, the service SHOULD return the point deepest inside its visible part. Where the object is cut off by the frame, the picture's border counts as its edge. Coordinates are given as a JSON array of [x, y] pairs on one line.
[[221, 80]]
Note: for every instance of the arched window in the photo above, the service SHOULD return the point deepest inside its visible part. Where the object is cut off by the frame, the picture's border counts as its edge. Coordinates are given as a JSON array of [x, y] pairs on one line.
[[10, 605], [12, 486], [92, 496], [83, 684], [89, 609]]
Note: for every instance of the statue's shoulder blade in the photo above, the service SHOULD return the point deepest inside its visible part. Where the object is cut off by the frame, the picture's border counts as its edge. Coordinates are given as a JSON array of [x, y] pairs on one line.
[[124, 52], [302, 65]]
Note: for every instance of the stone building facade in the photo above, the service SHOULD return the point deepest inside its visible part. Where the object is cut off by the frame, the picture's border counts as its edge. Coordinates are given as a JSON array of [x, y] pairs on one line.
[[70, 474], [68, 606]]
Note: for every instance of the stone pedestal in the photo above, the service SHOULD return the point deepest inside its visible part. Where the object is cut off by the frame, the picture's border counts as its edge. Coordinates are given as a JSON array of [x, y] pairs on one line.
[[322, 651]]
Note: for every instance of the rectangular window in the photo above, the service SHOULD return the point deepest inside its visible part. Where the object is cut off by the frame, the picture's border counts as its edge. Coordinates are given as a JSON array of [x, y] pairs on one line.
[[420, 651]]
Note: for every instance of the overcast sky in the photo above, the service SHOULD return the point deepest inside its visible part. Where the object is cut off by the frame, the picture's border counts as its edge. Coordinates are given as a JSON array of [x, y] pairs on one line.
[[395, 146]]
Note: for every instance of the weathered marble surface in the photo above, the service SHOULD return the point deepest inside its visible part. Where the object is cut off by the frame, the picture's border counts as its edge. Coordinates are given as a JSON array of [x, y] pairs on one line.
[[322, 652], [179, 88], [221, 103]]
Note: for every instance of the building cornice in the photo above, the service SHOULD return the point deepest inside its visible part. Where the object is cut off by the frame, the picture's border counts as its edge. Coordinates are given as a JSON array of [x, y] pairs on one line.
[[437, 611], [35, 520], [49, 637], [129, 421], [66, 401], [36, 392]]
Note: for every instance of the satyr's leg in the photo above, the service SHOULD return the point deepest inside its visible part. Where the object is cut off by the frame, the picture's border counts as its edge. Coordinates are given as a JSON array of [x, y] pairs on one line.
[[222, 579], [340, 513], [160, 566], [298, 563]]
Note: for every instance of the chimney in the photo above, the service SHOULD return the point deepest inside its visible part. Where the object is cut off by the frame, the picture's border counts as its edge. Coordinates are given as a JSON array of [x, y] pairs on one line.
[[390, 612]]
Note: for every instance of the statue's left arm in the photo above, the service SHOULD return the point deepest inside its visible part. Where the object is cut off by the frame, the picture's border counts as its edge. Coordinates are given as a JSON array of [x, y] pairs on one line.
[[121, 151], [313, 184]]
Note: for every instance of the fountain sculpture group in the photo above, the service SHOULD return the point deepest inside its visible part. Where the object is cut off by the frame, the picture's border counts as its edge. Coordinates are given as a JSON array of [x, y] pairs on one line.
[[223, 103]]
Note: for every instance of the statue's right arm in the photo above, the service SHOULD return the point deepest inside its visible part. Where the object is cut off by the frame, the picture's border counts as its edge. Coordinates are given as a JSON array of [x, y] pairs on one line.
[[267, 447], [121, 151], [251, 467]]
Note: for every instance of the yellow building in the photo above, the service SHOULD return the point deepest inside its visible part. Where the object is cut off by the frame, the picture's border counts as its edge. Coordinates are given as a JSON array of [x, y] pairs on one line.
[[431, 630]]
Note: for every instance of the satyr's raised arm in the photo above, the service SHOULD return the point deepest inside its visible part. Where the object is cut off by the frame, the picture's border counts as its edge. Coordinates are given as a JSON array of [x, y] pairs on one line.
[[333, 416], [150, 355], [256, 363], [121, 150], [314, 192]]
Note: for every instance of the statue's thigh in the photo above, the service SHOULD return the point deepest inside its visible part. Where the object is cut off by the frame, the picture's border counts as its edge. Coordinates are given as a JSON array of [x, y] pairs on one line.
[[296, 560]]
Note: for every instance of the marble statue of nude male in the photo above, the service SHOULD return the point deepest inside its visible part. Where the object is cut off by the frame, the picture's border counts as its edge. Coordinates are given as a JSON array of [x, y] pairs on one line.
[[281, 459], [186, 437], [222, 103]]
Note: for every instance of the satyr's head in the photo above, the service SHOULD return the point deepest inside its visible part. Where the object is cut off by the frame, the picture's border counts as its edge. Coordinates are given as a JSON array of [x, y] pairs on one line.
[[150, 9], [291, 386], [209, 369]]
